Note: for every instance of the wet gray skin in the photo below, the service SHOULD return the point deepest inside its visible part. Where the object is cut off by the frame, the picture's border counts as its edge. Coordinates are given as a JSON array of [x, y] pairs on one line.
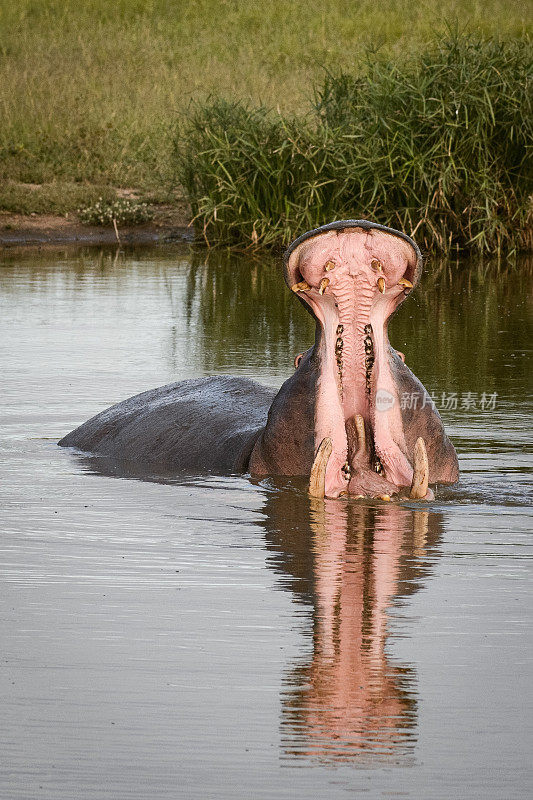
[[199, 635], [231, 424]]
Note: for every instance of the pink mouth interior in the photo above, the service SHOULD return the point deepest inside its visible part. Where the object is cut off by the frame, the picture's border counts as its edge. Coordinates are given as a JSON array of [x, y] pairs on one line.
[[353, 313]]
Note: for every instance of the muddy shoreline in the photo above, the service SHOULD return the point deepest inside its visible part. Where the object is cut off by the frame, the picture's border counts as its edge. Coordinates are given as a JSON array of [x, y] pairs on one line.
[[16, 230]]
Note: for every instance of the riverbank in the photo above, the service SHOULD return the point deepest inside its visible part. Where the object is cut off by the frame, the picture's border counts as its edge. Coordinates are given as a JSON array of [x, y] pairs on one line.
[[170, 223]]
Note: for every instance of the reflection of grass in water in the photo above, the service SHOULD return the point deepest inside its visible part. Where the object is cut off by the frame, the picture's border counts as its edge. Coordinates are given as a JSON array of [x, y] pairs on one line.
[[435, 145], [467, 329], [448, 329], [239, 301], [88, 89]]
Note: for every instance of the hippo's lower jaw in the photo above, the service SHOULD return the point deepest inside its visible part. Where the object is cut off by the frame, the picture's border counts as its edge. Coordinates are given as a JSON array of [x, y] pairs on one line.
[[363, 481], [352, 279]]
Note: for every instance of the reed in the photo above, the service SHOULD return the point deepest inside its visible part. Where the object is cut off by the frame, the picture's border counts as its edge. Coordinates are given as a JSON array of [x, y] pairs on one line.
[[437, 144]]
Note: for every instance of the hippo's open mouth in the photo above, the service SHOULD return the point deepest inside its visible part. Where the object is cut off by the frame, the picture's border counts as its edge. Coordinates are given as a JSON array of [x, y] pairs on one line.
[[340, 417], [353, 276]]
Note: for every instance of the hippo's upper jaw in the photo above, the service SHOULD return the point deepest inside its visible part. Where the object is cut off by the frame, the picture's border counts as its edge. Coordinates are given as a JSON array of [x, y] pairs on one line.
[[352, 276]]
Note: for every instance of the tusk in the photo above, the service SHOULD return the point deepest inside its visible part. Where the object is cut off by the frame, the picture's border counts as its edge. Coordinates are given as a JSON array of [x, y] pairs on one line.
[[303, 286], [361, 434], [385, 497], [355, 431], [317, 481], [329, 266], [419, 486], [381, 285], [405, 283], [376, 265], [324, 283]]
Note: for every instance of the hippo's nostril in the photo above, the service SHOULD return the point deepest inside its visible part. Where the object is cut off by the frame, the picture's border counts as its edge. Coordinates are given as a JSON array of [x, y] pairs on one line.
[[376, 265], [329, 266]]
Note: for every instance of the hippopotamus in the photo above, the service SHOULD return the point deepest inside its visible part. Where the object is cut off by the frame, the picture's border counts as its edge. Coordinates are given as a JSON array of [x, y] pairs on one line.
[[338, 420]]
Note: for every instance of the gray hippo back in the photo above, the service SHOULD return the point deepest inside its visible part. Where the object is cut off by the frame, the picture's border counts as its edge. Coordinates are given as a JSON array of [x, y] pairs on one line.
[[207, 424]]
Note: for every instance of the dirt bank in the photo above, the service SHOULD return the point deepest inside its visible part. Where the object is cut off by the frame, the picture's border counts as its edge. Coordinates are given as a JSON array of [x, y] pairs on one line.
[[170, 222]]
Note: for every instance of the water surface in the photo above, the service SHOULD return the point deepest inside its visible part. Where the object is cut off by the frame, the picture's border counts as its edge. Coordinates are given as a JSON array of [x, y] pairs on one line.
[[227, 637]]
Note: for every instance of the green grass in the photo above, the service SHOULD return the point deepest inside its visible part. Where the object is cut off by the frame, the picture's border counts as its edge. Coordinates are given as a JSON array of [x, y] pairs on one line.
[[88, 89], [437, 143], [58, 197]]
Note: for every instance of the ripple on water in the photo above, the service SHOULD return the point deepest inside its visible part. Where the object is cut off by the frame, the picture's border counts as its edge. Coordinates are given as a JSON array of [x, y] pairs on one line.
[[208, 636]]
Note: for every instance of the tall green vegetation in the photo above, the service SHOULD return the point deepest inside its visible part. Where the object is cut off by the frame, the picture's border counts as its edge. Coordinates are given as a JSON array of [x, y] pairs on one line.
[[436, 144], [87, 87]]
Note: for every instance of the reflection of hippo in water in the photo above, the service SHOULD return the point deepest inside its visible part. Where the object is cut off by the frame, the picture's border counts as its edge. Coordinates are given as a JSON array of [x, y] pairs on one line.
[[338, 418], [350, 699]]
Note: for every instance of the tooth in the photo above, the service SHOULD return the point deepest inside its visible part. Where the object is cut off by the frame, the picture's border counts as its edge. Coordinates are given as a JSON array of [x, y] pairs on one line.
[[419, 485], [361, 434], [385, 497], [376, 265], [329, 266], [317, 481], [324, 283], [381, 285], [303, 286], [404, 282]]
